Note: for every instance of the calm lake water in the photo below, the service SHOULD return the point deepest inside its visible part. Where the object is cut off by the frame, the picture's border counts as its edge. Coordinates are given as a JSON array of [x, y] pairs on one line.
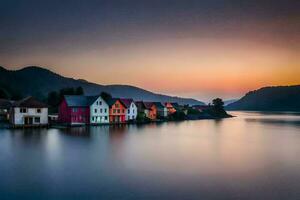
[[253, 156]]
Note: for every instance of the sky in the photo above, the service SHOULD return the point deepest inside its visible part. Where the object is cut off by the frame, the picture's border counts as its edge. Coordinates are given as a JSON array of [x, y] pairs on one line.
[[201, 49]]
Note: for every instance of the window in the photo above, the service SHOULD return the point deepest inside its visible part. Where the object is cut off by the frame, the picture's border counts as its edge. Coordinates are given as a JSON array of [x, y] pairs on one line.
[[37, 120], [93, 118], [38, 110], [105, 117], [105, 110], [97, 103], [114, 110], [128, 111], [23, 110], [100, 110], [118, 110], [123, 111], [74, 109], [117, 105], [100, 103], [95, 110]]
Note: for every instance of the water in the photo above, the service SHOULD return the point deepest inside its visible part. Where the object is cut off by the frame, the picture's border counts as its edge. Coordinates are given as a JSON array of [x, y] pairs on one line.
[[252, 156]]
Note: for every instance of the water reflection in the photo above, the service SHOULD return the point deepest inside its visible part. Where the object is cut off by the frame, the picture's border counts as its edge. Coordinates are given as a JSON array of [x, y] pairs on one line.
[[252, 156], [277, 122]]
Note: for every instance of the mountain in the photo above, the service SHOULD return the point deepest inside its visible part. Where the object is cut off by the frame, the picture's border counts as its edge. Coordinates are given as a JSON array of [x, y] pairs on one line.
[[38, 82], [230, 101], [280, 98]]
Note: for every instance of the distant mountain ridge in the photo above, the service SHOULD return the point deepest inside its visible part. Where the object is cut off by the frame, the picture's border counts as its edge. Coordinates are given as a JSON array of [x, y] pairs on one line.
[[38, 81], [279, 98]]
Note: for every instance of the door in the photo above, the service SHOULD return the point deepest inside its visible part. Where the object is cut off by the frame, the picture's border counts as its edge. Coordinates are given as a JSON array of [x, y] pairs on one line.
[[28, 120]]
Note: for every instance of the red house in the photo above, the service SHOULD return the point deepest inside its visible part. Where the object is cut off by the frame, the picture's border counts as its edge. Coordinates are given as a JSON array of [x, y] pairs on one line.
[[117, 111], [74, 110]]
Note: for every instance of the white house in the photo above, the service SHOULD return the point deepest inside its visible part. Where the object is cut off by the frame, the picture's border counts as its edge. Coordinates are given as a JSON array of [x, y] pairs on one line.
[[29, 112], [131, 110], [99, 110]]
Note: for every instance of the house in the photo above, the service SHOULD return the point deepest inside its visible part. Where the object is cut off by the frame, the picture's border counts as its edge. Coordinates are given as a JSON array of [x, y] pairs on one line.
[[131, 110], [29, 112], [161, 110], [5, 106], [170, 108], [176, 106], [201, 108], [74, 110], [116, 110], [99, 110], [151, 110]]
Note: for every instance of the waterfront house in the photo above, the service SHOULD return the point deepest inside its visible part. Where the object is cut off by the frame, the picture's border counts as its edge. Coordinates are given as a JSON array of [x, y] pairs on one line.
[[151, 110], [28, 112], [99, 110], [74, 110], [170, 108], [162, 111], [116, 110], [131, 110], [5, 106]]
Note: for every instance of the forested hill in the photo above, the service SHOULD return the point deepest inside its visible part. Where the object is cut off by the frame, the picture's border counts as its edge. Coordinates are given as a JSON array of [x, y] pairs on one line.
[[38, 82], [280, 98]]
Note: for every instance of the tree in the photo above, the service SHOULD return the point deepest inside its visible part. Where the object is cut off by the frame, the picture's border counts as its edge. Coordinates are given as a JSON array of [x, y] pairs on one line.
[[218, 108], [3, 94], [106, 96], [53, 98], [218, 104], [79, 91], [66, 91]]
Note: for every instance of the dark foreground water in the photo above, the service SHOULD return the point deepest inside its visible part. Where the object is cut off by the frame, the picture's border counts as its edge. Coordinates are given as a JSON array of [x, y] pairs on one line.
[[253, 156]]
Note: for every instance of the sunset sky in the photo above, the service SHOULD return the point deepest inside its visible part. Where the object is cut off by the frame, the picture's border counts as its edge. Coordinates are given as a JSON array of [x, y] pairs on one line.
[[200, 49]]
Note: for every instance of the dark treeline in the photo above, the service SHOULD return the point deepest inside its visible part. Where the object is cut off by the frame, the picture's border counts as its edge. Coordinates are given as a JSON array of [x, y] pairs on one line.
[[55, 97]]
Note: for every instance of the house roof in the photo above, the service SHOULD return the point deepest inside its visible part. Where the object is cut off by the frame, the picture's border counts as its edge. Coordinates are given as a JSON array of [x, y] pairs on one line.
[[92, 99], [112, 101], [159, 105], [29, 102], [5, 103], [175, 105], [148, 105], [76, 100], [80, 100], [127, 102]]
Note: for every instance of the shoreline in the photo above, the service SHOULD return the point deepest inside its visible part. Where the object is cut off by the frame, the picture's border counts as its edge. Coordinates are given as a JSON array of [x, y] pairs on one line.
[[63, 126]]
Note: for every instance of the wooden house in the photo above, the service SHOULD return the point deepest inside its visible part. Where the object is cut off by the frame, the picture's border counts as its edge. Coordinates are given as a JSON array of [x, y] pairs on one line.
[[74, 110], [99, 110], [117, 110], [5, 106], [131, 110], [170, 108], [28, 112], [151, 110]]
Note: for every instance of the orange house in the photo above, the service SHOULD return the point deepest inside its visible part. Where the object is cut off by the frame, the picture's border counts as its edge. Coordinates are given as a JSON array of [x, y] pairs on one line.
[[170, 108], [117, 110], [151, 110]]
